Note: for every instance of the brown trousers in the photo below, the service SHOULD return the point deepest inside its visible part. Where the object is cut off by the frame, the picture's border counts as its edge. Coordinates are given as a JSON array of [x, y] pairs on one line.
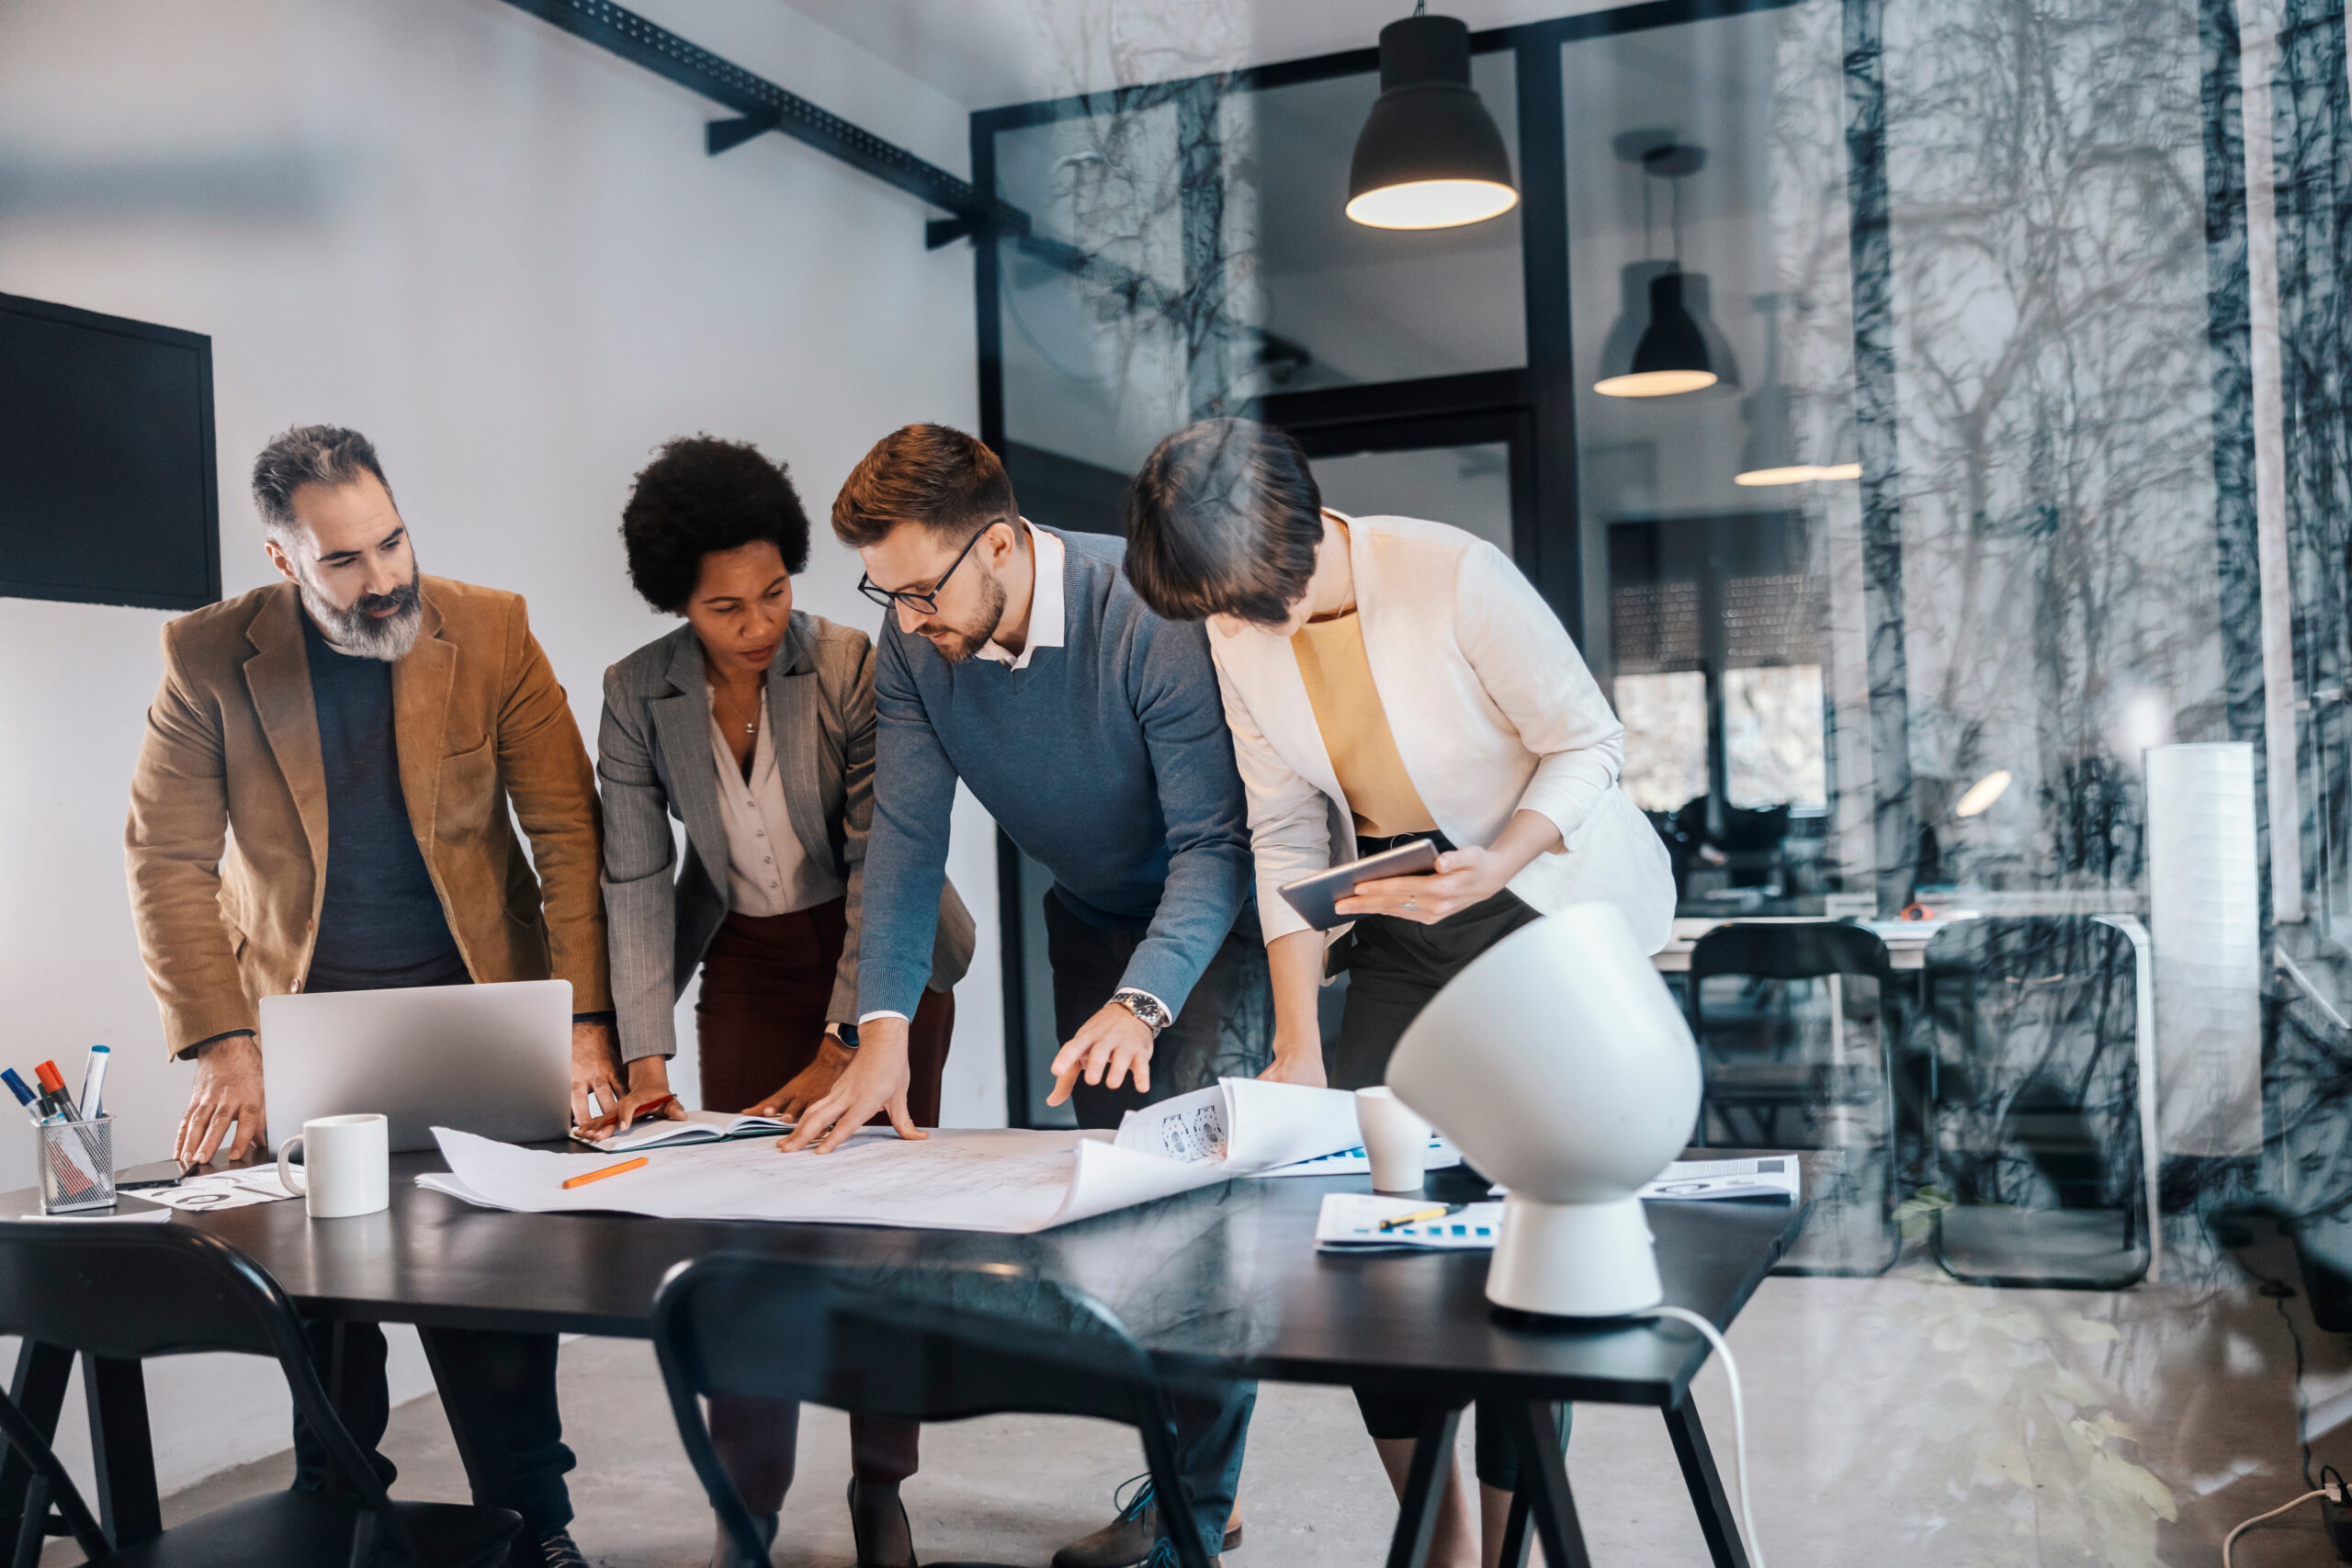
[[758, 1020], [760, 1016]]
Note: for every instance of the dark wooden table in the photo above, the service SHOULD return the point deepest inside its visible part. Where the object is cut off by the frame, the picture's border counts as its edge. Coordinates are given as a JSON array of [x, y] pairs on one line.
[[1224, 1281]]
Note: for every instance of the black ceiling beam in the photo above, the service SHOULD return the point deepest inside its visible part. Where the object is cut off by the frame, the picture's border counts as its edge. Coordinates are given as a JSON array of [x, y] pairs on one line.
[[761, 105]]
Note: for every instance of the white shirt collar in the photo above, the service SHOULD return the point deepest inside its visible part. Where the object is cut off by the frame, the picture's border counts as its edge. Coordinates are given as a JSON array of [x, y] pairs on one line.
[[1046, 619]]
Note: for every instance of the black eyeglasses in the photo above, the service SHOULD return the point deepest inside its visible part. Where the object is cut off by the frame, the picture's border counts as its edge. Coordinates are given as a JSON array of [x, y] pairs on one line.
[[928, 600]]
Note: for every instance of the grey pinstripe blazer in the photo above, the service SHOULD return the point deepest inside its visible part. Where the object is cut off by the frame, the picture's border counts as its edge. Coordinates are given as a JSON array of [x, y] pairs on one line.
[[654, 759]]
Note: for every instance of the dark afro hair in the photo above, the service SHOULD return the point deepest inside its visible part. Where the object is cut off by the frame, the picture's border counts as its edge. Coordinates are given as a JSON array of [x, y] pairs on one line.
[[699, 495]]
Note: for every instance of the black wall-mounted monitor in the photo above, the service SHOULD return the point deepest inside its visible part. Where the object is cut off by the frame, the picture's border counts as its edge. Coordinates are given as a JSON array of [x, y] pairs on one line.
[[107, 492]]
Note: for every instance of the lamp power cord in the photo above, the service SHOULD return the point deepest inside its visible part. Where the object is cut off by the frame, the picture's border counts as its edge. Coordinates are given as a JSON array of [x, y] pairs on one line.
[[1739, 1425], [2335, 1495]]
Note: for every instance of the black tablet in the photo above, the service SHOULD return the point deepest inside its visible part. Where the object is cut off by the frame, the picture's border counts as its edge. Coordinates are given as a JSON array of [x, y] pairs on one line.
[[1314, 896]]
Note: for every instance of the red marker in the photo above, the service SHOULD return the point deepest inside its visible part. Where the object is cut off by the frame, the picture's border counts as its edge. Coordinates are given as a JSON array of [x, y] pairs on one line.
[[53, 1097]]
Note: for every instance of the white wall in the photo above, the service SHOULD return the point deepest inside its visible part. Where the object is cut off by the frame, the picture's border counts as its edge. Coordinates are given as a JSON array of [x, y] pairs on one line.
[[503, 254]]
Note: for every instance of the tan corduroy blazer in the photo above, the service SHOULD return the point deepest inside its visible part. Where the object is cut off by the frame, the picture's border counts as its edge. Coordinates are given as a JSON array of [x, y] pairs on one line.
[[228, 827]]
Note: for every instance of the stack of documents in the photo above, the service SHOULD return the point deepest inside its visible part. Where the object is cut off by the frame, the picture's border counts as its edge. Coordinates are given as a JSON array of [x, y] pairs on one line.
[[1351, 1223], [1768, 1177], [1771, 1177]]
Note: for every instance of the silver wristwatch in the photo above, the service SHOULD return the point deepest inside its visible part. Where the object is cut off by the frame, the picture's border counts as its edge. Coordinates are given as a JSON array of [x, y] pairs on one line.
[[1145, 1005]]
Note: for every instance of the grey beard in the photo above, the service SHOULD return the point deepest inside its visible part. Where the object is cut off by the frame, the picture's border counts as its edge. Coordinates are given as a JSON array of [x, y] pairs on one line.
[[356, 633]]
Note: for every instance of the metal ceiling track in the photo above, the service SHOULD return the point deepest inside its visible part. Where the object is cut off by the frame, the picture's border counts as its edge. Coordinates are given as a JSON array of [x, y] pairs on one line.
[[761, 105]]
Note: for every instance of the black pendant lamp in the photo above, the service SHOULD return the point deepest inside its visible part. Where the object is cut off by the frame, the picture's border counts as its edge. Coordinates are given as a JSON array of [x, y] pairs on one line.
[[1678, 350], [1430, 156]]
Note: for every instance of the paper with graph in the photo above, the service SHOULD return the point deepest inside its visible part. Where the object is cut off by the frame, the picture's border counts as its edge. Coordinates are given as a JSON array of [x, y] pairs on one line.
[[1246, 1124], [1004, 1180]]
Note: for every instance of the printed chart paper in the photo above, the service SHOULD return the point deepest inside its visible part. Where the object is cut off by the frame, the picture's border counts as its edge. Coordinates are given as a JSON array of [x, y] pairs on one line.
[[1248, 1124], [1349, 1222], [1442, 1155]]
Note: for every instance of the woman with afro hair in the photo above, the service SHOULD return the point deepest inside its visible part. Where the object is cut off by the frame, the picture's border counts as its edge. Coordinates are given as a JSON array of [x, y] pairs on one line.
[[753, 725]]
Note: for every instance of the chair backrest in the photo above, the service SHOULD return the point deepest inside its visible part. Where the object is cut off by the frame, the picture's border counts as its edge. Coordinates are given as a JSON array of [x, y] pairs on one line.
[[2035, 1022], [127, 1293], [923, 1343], [1789, 950]]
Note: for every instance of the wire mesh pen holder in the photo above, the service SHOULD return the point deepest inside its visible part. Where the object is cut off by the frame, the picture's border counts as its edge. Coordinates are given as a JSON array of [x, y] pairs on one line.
[[76, 1166]]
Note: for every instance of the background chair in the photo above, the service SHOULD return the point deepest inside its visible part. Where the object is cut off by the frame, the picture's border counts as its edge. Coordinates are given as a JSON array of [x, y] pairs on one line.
[[927, 1344], [126, 1292], [2036, 1118], [1773, 1082]]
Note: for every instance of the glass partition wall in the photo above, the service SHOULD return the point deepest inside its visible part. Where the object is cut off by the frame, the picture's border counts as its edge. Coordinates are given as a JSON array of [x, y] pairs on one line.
[[1996, 571]]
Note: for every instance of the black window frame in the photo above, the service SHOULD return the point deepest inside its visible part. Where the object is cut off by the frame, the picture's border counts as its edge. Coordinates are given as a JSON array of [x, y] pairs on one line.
[[1548, 534]]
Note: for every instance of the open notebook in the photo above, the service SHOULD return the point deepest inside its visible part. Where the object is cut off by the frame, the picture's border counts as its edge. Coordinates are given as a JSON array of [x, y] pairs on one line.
[[698, 1127]]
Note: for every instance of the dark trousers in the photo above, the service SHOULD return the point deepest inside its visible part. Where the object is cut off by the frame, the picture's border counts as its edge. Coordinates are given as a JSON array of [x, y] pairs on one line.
[[759, 1019], [1225, 1031], [498, 1391], [760, 1015], [1393, 968]]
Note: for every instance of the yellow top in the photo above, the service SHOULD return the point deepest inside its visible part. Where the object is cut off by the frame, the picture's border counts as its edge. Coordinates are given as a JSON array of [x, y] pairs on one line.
[[1355, 729]]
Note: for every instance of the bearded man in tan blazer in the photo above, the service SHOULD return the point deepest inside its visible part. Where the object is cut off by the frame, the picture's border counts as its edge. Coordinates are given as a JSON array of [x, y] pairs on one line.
[[321, 803]]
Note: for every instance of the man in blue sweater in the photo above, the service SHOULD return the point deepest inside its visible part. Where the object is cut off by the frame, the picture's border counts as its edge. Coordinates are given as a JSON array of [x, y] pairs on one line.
[[1020, 660]]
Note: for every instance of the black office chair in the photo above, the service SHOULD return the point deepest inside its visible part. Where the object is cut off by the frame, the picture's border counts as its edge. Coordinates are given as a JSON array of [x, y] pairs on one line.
[[126, 1292], [2035, 1108], [1749, 1072], [926, 1344]]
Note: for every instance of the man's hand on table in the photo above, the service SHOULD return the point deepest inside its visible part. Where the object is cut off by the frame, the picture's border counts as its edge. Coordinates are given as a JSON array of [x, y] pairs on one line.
[[648, 1084], [1113, 1045], [595, 1070], [875, 1079], [228, 1089], [809, 1084]]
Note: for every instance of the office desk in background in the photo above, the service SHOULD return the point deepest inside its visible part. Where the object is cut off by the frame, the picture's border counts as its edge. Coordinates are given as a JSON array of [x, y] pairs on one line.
[[1904, 950], [1223, 1281]]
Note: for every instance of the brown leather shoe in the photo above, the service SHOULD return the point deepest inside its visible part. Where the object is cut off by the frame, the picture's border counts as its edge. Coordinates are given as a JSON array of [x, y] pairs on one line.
[[1126, 1540]]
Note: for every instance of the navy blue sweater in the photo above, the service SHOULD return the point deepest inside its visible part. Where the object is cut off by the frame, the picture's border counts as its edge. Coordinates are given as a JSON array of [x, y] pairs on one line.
[[381, 922], [1107, 760]]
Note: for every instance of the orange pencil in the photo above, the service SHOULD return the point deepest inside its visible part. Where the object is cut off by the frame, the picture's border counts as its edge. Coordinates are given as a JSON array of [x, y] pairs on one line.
[[582, 1180]]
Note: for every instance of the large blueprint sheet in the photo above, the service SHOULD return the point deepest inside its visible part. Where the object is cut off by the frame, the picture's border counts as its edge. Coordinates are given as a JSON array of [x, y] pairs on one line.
[[996, 1179], [1001, 1179]]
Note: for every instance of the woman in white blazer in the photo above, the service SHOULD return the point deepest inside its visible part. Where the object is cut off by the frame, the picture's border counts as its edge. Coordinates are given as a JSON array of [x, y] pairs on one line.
[[1388, 679]]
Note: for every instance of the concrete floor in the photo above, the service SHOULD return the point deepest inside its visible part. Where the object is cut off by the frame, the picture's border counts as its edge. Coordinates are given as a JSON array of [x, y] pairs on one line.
[[1901, 1418]]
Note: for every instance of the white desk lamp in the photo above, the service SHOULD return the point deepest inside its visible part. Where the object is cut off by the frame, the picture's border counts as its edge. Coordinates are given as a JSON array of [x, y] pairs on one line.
[[1558, 1063]]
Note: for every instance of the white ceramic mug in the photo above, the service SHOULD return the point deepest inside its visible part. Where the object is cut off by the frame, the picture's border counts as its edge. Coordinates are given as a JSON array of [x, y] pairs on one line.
[[346, 1166], [1395, 1137]]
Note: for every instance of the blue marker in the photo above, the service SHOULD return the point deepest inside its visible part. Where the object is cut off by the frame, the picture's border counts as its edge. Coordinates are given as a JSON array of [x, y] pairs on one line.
[[23, 1094]]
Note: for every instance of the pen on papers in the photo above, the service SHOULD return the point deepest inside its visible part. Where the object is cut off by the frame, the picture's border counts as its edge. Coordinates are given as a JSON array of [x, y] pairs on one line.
[[1395, 1222], [645, 1112], [583, 1180], [94, 1082]]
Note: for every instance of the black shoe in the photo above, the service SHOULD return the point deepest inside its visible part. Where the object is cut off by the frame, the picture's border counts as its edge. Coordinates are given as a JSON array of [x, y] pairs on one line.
[[1127, 1540], [556, 1550], [858, 1499]]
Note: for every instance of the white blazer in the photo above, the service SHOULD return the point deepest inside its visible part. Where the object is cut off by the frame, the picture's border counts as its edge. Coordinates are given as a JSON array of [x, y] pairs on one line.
[[1493, 713]]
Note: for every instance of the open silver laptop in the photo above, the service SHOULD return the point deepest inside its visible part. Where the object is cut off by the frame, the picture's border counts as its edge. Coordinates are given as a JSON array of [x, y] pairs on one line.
[[492, 1059]]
